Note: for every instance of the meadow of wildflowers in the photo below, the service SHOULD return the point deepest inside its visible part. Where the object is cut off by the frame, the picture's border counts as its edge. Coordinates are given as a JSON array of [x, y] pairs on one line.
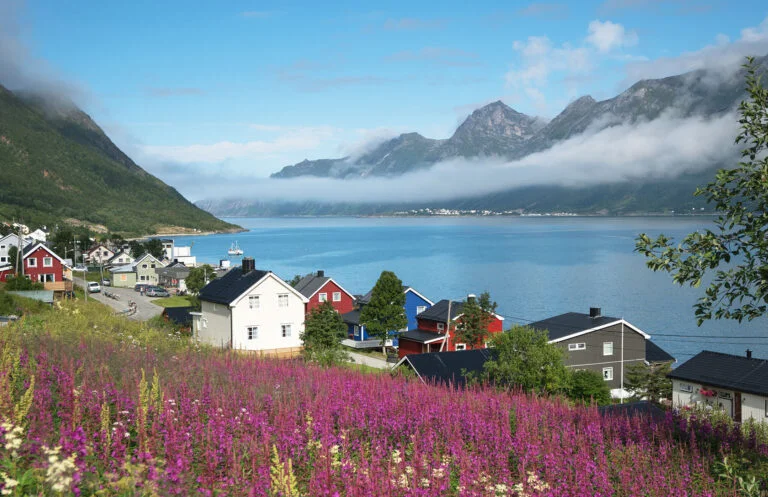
[[92, 404]]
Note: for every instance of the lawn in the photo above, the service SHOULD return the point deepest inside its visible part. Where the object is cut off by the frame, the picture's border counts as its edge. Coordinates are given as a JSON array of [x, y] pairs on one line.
[[173, 301]]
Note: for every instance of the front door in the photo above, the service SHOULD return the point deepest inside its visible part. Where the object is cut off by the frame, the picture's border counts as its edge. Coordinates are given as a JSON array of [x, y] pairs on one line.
[[737, 407]]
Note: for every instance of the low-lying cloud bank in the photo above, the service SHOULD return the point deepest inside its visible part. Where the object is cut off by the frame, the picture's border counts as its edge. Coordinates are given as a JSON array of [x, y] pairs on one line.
[[663, 148]]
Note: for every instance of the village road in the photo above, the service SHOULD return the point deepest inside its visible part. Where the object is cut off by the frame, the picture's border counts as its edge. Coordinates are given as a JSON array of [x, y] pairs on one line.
[[145, 308], [373, 362]]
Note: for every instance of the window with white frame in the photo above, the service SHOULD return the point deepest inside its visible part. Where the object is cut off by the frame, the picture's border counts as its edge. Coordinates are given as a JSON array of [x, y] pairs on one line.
[[440, 326], [286, 330], [685, 387], [253, 301], [337, 296], [142, 278], [357, 330], [2, 247], [253, 332], [323, 297], [420, 309], [31, 262], [47, 261], [607, 374], [3, 259], [461, 346], [607, 348], [282, 300], [577, 346]]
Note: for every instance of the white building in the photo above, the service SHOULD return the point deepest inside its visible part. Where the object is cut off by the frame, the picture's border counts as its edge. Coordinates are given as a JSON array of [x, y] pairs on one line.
[[8, 241], [184, 255], [249, 309], [736, 384], [38, 236], [99, 255]]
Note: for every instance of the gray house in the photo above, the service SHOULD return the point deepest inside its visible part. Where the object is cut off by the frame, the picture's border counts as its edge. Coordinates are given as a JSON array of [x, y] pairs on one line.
[[603, 344]]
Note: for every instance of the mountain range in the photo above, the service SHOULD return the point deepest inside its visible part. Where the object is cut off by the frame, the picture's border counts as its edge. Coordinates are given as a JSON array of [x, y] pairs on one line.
[[498, 131], [58, 166]]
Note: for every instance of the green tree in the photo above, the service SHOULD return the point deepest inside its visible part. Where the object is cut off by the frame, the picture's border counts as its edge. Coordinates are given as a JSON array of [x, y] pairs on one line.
[[524, 358], [477, 314], [650, 382], [385, 312], [154, 246], [737, 250], [295, 280], [13, 254], [324, 329], [199, 277], [137, 249], [586, 385]]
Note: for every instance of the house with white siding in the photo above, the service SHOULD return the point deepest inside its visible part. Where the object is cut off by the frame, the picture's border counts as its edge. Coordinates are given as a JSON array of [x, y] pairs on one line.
[[251, 309], [736, 384], [8, 241]]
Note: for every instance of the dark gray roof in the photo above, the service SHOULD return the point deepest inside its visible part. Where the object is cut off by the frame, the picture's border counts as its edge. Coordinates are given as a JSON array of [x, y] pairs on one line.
[[734, 372], [439, 311], [352, 317], [179, 315], [570, 323], [310, 284], [421, 336], [654, 353], [178, 272], [643, 408], [226, 289], [449, 367]]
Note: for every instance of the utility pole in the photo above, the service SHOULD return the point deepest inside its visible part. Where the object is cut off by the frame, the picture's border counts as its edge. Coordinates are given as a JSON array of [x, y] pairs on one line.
[[447, 328]]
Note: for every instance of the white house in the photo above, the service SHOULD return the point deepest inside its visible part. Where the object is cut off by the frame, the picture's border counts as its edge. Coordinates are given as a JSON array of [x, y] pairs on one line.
[[8, 241], [250, 309], [120, 258], [184, 255], [99, 255], [736, 384], [38, 236]]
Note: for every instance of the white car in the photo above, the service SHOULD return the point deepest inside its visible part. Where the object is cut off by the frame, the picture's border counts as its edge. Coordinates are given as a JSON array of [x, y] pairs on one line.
[[93, 287]]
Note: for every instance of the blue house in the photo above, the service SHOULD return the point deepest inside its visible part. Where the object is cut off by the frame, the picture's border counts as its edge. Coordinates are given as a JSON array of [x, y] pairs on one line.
[[415, 303]]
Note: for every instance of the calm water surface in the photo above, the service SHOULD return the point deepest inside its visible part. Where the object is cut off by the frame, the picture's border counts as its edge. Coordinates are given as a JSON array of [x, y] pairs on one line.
[[533, 267]]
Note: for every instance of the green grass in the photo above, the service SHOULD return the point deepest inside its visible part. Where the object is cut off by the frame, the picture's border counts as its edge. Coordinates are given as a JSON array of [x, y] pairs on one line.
[[174, 301]]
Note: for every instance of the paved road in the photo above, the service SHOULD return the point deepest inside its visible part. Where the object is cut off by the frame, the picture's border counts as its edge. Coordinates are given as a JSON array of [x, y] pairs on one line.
[[368, 360], [145, 308]]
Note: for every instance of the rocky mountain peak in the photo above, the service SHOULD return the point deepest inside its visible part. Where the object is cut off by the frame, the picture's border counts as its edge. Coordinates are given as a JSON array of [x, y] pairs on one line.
[[499, 120]]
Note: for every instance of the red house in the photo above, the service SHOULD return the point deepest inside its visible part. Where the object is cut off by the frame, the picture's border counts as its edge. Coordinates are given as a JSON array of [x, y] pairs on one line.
[[5, 272], [319, 288], [430, 334], [42, 264]]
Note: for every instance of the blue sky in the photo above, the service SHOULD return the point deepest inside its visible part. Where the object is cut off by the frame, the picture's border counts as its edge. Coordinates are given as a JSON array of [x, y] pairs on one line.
[[250, 87]]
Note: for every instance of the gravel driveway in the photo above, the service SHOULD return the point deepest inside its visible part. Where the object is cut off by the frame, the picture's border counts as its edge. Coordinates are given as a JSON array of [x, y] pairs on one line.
[[145, 308]]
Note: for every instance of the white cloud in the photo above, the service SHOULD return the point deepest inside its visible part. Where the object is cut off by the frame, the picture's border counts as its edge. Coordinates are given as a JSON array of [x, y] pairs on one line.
[[607, 36], [722, 55], [367, 140]]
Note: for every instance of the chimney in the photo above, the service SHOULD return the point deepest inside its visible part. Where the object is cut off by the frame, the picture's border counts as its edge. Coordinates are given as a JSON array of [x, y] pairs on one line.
[[749, 354], [248, 265], [594, 312], [321, 274], [471, 297]]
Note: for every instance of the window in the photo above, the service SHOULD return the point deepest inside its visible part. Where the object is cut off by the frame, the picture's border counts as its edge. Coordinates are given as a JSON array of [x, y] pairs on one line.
[[253, 332], [337, 296], [3, 259], [357, 330], [253, 301], [47, 261], [142, 278], [152, 265], [2, 247], [31, 262], [323, 297], [48, 278], [440, 326], [282, 300], [577, 346], [144, 266], [607, 374], [286, 329], [461, 346], [685, 387], [607, 348], [105, 253], [421, 309]]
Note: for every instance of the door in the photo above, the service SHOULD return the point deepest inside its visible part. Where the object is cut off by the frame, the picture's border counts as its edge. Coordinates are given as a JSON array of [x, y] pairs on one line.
[[737, 407]]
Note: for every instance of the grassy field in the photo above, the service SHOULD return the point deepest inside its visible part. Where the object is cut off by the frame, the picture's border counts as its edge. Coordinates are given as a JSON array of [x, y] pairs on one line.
[[174, 301]]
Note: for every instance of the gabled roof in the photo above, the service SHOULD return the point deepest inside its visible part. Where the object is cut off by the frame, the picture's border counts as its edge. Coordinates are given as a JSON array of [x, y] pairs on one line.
[[654, 353], [118, 254], [573, 324], [179, 315], [227, 288], [32, 247], [97, 247], [749, 375], [352, 317], [407, 289], [143, 257], [422, 336], [367, 297], [644, 408], [310, 284], [123, 268], [439, 311], [448, 367]]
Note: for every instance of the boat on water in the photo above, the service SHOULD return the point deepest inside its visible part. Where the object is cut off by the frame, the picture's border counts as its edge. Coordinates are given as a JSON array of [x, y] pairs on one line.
[[235, 249]]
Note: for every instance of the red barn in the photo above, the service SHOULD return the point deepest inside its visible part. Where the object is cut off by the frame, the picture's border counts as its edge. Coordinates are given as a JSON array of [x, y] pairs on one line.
[[430, 334], [319, 288], [6, 272], [42, 264]]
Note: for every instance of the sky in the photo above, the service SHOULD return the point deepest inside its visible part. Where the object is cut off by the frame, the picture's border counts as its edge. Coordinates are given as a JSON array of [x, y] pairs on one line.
[[212, 97]]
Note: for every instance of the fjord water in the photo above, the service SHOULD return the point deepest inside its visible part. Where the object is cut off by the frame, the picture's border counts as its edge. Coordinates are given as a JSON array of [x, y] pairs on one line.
[[534, 267]]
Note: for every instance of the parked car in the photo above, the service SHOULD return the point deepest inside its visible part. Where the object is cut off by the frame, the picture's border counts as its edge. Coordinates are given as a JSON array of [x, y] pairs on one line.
[[141, 287], [105, 282], [156, 291], [93, 287]]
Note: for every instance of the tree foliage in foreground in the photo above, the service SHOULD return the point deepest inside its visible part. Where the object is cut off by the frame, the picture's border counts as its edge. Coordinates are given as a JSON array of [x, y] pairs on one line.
[[589, 386], [199, 277], [324, 329], [650, 382], [525, 359], [385, 311], [477, 314], [737, 250]]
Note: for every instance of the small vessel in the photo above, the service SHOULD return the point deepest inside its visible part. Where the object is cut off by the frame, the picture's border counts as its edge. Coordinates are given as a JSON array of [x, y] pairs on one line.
[[235, 249]]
